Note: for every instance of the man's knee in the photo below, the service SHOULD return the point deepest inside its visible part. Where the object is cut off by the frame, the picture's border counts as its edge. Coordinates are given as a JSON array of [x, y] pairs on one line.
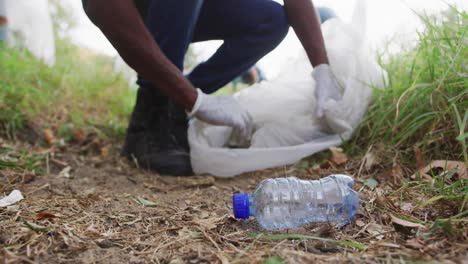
[[274, 21]]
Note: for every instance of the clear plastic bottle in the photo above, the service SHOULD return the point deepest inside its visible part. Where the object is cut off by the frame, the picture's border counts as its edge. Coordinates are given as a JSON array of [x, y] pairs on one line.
[[290, 202]]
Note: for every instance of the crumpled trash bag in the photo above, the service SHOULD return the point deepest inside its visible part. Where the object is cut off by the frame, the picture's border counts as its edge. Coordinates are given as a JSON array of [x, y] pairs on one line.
[[283, 109], [30, 26]]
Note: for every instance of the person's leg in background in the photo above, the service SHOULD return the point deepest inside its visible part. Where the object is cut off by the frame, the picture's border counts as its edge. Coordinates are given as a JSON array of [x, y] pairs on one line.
[[250, 30], [3, 21], [325, 14], [157, 133]]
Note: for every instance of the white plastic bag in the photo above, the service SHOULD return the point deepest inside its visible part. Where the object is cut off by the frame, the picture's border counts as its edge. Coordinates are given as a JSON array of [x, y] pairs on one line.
[[30, 26], [285, 128]]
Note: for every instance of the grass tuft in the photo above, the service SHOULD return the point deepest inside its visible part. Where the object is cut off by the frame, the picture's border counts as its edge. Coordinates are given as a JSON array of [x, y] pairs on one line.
[[426, 103]]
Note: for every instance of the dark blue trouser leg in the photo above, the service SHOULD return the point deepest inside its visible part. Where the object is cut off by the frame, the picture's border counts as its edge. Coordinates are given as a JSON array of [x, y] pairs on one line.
[[172, 22], [250, 30]]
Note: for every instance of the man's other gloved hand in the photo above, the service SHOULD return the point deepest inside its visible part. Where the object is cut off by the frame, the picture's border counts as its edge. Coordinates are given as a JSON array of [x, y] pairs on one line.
[[326, 88], [223, 111]]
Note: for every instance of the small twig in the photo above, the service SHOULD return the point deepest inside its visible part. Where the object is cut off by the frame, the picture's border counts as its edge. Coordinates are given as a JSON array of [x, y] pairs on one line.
[[277, 245], [363, 162], [36, 236], [16, 257], [209, 238], [374, 236], [38, 189], [47, 164], [246, 249], [362, 230], [59, 163], [112, 253]]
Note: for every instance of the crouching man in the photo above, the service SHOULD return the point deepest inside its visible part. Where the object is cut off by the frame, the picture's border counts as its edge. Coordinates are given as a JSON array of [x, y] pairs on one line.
[[153, 36]]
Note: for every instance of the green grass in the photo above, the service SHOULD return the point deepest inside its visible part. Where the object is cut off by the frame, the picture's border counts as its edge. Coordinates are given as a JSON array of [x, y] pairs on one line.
[[426, 103], [425, 106], [441, 204], [80, 90], [274, 260], [10, 158]]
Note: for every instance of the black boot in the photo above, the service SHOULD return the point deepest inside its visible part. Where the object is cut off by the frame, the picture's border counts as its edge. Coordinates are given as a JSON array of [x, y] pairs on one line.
[[157, 135]]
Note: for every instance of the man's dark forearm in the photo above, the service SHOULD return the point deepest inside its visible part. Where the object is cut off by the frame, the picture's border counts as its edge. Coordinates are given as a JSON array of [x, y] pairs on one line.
[[122, 25], [305, 22]]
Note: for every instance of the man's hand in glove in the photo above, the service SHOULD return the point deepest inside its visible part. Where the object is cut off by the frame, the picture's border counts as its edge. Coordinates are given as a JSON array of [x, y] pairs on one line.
[[326, 88], [223, 111]]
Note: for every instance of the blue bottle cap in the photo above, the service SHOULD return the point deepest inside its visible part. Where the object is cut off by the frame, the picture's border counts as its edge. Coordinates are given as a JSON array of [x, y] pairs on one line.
[[240, 204]]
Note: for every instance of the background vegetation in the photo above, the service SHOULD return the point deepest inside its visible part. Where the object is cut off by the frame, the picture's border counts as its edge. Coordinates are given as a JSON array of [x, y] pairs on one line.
[[425, 106], [80, 90]]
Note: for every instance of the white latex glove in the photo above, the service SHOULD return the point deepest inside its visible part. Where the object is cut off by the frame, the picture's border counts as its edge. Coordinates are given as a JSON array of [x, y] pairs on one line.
[[326, 88], [223, 111]]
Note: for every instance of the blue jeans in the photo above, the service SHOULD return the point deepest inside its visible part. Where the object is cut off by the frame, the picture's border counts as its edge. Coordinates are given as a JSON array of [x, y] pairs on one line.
[[250, 29], [2, 34]]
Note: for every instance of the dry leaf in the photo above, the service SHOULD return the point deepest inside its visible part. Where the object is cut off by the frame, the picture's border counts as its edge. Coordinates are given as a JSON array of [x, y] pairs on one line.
[[104, 243], [177, 260], [79, 135], [374, 229], [185, 232], [222, 212], [45, 215], [325, 165], [446, 166], [204, 214], [145, 203], [209, 223], [338, 157], [159, 187], [407, 207], [360, 223], [405, 223], [196, 181], [105, 151], [388, 244], [369, 160], [49, 136], [65, 172], [415, 243], [59, 162], [43, 151], [419, 158], [27, 178], [383, 201], [397, 174]]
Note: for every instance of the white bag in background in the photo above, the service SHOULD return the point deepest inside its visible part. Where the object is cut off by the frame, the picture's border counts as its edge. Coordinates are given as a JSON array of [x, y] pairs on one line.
[[282, 109], [30, 26]]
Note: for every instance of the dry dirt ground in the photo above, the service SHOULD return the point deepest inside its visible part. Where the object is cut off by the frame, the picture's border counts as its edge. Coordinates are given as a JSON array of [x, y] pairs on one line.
[[93, 207]]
